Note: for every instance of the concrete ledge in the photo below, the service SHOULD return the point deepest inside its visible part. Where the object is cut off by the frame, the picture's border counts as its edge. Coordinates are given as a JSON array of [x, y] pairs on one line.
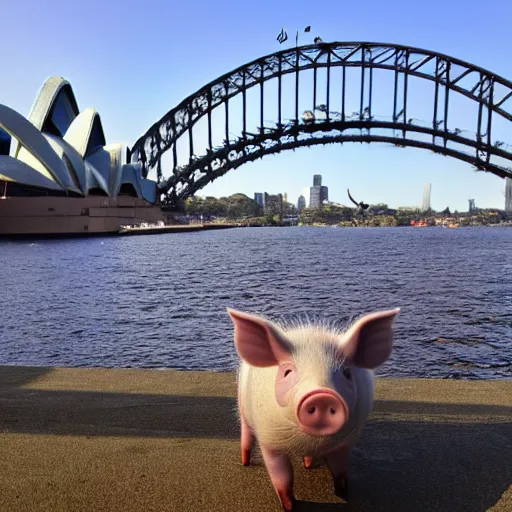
[[149, 440], [182, 228]]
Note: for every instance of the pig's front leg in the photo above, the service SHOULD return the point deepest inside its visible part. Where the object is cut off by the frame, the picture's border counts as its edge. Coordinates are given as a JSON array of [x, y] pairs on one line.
[[247, 441], [280, 471], [337, 462]]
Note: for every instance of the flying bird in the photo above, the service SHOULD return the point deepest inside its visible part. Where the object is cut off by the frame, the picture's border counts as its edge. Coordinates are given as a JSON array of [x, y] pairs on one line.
[[361, 205]]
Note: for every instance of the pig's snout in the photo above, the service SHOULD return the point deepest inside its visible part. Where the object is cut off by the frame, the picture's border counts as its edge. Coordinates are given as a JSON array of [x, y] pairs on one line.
[[322, 413]]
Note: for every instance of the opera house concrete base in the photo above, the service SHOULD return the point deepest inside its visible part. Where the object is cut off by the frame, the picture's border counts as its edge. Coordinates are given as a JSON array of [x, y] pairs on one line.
[[73, 216], [60, 177]]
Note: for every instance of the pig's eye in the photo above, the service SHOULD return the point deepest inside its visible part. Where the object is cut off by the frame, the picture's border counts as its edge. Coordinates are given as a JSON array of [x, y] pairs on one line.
[[347, 373], [287, 372]]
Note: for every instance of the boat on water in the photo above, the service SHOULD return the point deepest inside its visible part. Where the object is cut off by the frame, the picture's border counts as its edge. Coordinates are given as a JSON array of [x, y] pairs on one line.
[[419, 223], [58, 176]]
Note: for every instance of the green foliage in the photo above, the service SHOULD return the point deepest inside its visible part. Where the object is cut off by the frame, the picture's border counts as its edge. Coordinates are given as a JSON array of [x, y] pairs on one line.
[[327, 214], [236, 206], [241, 209], [383, 221]]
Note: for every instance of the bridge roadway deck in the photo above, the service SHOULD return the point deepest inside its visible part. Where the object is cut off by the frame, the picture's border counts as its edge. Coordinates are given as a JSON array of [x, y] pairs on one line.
[[149, 440]]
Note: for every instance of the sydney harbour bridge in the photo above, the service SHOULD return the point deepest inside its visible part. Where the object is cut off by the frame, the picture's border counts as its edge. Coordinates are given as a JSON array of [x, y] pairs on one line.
[[315, 81]]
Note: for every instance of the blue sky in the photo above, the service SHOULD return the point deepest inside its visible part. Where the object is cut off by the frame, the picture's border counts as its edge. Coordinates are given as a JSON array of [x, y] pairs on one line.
[[134, 61]]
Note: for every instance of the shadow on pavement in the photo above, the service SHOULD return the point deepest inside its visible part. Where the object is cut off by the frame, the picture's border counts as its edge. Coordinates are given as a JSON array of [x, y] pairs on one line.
[[414, 456]]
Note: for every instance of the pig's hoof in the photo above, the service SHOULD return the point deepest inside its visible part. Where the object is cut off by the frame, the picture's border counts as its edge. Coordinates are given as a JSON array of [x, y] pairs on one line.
[[308, 462], [287, 500], [246, 457], [341, 487]]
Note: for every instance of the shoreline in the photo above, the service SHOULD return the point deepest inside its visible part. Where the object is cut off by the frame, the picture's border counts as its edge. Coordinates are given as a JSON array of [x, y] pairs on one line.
[[181, 228], [450, 376], [122, 439], [191, 228]]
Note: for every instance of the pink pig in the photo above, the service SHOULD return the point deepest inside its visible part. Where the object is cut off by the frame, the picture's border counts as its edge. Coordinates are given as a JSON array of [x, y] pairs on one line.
[[307, 391]]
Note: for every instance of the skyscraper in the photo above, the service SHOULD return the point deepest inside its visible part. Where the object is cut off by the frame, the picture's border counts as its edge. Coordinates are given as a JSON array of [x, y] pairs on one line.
[[425, 205], [317, 193], [259, 197], [472, 207], [508, 194], [301, 203], [274, 204]]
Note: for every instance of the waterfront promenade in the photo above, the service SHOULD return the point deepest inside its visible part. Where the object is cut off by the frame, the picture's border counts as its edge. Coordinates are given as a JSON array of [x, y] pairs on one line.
[[133, 440]]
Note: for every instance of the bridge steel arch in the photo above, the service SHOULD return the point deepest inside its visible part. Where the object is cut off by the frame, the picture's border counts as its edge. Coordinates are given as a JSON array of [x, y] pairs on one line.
[[490, 92]]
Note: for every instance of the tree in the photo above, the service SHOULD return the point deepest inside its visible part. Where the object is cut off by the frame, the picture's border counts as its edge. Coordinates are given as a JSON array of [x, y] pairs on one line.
[[240, 205], [236, 206]]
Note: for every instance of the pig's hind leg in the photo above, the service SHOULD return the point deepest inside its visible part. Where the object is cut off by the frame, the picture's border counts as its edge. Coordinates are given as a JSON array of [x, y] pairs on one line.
[[280, 471], [247, 441], [337, 462], [308, 462]]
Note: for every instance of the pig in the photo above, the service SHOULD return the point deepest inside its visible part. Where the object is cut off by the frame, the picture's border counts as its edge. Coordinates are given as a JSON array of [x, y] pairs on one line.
[[306, 391]]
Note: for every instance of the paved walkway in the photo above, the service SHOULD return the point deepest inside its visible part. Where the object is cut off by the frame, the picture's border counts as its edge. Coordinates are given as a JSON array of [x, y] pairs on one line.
[[136, 440]]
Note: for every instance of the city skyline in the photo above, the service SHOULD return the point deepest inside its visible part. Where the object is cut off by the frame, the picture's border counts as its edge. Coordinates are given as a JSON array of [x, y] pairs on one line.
[[102, 71], [375, 183], [424, 204]]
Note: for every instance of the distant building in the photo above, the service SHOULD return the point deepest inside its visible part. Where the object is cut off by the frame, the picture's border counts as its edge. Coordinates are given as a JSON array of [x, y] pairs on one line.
[[301, 203], [472, 207], [408, 209], [318, 193], [259, 197], [425, 204], [273, 204], [508, 194]]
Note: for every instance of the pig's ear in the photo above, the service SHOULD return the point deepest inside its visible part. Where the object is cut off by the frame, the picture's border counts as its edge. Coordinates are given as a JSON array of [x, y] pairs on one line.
[[368, 342], [258, 341]]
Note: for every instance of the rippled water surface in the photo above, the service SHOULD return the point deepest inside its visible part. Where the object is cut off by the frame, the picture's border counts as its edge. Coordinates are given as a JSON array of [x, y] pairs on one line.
[[160, 301]]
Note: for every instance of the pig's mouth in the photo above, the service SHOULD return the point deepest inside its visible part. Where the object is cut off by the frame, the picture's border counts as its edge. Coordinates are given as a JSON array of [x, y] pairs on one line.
[[322, 413]]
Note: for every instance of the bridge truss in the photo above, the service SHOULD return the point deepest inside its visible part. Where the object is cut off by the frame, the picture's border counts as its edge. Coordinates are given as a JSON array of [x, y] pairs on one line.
[[492, 94]]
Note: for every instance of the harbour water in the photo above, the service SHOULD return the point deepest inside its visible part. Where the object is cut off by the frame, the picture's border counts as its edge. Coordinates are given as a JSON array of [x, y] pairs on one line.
[[160, 301]]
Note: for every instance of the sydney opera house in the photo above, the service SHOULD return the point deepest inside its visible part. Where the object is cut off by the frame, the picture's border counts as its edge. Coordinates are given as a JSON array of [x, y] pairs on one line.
[[58, 175]]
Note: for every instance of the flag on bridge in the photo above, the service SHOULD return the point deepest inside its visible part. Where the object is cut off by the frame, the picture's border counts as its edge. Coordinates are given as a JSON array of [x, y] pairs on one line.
[[283, 36]]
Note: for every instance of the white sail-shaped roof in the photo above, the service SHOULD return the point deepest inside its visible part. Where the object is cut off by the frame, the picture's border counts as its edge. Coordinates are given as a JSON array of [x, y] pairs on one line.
[[85, 133], [100, 162], [12, 169], [71, 158], [35, 149], [55, 107], [148, 188], [94, 179], [59, 148], [130, 175]]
